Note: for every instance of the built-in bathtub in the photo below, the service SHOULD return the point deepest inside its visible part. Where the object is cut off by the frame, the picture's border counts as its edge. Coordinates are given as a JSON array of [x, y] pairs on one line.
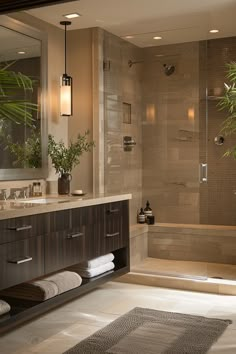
[[186, 242], [184, 256]]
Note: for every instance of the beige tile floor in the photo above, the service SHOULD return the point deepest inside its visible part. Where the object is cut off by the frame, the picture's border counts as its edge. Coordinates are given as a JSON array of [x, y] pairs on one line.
[[62, 328]]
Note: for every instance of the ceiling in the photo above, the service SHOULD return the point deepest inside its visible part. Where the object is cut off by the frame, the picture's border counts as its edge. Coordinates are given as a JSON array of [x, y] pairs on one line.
[[176, 21]]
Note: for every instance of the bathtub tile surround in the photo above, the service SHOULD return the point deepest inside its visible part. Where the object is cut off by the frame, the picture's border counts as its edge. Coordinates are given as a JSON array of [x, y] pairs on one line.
[[202, 243], [138, 244], [180, 256]]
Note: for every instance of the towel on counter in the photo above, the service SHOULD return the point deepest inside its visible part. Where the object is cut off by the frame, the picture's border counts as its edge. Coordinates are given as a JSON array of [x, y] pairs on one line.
[[96, 262], [39, 290], [46, 288], [4, 307], [65, 280], [93, 272]]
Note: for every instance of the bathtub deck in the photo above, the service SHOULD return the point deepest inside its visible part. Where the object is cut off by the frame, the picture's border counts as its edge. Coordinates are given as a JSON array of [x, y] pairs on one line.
[[186, 275]]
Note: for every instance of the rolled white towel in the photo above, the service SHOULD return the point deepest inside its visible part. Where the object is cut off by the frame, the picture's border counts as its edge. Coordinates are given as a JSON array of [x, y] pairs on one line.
[[4, 307], [96, 262], [93, 272], [65, 280], [38, 290]]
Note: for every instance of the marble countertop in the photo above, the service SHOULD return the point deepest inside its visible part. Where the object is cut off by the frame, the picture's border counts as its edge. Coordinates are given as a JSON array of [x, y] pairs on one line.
[[31, 206]]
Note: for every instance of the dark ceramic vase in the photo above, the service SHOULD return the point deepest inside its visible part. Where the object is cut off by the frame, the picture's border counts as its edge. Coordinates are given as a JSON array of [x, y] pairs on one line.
[[64, 183]]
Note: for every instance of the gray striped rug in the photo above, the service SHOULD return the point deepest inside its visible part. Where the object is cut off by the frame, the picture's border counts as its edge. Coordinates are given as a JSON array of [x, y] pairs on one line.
[[147, 331]]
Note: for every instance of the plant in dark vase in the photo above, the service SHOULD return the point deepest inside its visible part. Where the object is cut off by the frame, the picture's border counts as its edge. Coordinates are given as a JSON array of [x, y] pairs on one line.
[[64, 159]]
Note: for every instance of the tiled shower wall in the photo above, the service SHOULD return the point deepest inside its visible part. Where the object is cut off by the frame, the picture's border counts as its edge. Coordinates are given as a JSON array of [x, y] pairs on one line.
[[171, 132], [174, 126], [218, 198], [122, 169]]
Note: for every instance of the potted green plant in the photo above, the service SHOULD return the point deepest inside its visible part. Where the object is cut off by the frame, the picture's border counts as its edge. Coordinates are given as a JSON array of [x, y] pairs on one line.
[[64, 159], [228, 102], [28, 154]]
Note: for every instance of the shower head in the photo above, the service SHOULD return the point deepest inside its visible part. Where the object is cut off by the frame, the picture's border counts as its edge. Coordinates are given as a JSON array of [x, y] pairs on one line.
[[169, 69], [131, 63]]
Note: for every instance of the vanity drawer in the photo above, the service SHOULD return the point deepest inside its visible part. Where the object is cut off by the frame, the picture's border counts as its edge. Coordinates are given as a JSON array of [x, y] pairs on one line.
[[116, 226], [22, 228], [21, 261], [67, 219], [64, 248], [60, 220]]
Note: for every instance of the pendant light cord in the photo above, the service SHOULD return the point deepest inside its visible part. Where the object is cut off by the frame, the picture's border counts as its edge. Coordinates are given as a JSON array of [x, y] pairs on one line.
[[65, 48], [65, 23]]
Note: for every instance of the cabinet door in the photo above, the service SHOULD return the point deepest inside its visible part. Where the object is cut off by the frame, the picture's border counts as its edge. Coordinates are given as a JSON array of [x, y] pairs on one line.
[[21, 261], [116, 232], [107, 227], [65, 245]]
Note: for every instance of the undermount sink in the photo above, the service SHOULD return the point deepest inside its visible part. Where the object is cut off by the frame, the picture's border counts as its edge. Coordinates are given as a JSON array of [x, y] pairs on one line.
[[43, 201]]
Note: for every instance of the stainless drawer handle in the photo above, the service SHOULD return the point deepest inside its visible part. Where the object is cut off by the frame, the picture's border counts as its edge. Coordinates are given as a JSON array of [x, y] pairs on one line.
[[21, 260], [20, 228], [113, 211], [113, 235], [75, 235]]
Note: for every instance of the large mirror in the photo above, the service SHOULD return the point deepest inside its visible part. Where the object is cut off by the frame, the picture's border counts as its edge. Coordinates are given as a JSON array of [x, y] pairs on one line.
[[23, 83]]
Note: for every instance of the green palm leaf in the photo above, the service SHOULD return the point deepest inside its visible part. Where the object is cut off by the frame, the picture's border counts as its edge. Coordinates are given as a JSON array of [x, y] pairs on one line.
[[228, 102], [14, 86]]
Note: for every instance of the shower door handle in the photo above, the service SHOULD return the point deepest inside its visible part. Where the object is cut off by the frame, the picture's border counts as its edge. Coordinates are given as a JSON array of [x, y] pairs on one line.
[[203, 172]]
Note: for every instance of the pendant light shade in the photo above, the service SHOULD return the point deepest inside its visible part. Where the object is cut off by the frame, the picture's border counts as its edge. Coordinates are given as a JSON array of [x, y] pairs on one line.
[[66, 85]]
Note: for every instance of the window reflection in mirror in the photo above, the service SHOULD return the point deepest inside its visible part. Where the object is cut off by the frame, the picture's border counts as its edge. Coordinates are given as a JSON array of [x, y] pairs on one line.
[[20, 118]]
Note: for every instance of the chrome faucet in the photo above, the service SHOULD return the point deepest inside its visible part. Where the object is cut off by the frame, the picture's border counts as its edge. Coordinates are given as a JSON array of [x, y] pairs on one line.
[[3, 195], [22, 193]]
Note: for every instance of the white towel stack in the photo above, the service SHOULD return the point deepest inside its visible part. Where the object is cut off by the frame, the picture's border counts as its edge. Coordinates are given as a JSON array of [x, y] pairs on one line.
[[4, 307], [95, 266]]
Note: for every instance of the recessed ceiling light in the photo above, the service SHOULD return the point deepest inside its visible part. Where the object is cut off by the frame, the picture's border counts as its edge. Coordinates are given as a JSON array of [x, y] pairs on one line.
[[21, 52], [129, 37], [74, 15], [214, 31], [157, 37]]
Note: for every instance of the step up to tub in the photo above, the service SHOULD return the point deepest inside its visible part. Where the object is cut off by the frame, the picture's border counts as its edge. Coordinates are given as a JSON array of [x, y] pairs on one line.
[[194, 276]]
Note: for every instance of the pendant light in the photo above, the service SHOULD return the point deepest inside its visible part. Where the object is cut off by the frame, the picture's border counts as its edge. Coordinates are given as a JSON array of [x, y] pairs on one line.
[[66, 85]]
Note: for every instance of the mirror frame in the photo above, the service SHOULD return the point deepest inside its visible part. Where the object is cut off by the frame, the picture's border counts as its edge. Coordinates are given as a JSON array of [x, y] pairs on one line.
[[32, 173]]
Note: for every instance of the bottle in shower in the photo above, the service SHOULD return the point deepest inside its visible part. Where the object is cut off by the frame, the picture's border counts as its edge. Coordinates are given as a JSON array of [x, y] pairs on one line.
[[147, 210], [141, 217]]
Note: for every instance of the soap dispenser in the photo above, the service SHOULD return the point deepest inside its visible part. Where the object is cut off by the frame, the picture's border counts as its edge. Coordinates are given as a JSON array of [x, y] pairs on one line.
[[147, 210], [141, 217]]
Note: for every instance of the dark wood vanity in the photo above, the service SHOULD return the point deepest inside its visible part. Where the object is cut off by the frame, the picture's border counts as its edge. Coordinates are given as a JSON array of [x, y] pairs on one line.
[[33, 246]]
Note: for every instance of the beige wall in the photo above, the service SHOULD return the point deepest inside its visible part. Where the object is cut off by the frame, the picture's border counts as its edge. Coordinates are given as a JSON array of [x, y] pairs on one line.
[[80, 67]]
